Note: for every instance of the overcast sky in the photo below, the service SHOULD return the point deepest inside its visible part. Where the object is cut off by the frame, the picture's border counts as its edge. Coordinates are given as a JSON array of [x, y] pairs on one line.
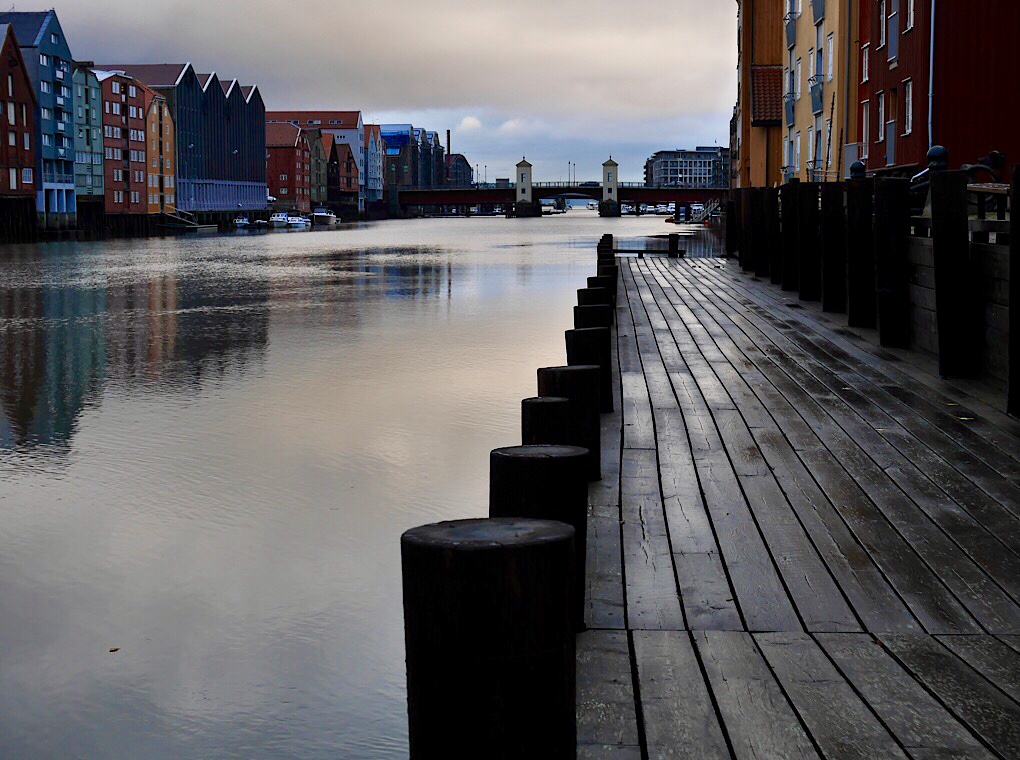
[[556, 80]]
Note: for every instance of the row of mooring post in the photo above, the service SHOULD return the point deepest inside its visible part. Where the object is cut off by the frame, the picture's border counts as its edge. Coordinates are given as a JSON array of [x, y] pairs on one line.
[[492, 606]]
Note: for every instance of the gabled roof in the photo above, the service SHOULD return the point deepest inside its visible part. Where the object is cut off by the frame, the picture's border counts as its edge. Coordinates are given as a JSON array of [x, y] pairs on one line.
[[328, 138], [282, 135], [7, 31], [156, 75], [766, 95], [327, 119], [28, 26]]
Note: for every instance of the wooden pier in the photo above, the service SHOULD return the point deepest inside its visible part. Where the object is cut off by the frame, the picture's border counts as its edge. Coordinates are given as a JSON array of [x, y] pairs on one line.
[[804, 544]]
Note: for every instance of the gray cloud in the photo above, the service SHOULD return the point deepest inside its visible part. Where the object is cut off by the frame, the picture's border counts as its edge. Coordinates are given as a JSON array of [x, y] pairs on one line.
[[568, 80]]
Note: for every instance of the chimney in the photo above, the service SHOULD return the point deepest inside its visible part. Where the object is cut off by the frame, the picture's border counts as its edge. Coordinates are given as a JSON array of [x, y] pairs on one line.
[[448, 151]]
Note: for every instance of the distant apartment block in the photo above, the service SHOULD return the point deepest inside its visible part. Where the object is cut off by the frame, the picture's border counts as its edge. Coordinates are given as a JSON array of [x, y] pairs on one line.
[[703, 167], [290, 166]]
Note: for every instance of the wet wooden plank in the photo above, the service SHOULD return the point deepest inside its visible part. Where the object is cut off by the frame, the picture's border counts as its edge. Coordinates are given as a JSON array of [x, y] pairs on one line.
[[604, 595], [606, 711], [921, 724], [759, 720], [840, 722], [988, 711], [680, 721], [653, 602], [991, 658]]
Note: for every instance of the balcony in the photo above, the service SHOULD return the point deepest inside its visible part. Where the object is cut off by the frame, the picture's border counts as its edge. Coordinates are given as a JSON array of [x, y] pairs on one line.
[[818, 8], [789, 107], [60, 74], [790, 20], [890, 143], [817, 85], [788, 173], [57, 178]]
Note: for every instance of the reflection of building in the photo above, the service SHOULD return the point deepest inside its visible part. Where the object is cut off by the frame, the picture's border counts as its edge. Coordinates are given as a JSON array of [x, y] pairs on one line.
[[701, 167], [47, 59]]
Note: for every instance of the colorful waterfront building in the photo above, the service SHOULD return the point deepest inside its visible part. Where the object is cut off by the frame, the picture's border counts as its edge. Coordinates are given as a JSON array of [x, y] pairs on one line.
[[820, 64], [699, 168], [402, 155], [318, 180], [48, 60], [124, 158], [289, 166], [17, 142], [375, 151], [347, 127], [160, 155], [756, 131], [926, 68], [458, 171], [89, 181], [220, 137], [343, 177]]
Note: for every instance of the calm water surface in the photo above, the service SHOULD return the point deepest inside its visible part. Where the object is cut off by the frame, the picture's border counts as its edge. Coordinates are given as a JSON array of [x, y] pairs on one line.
[[209, 449]]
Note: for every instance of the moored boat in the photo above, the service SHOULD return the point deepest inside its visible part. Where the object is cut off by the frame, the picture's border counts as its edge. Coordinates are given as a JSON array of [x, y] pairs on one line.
[[279, 219], [241, 222], [324, 217], [298, 221]]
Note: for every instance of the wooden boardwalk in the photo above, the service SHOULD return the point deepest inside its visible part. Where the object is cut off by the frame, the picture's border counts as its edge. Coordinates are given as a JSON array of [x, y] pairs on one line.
[[802, 545]]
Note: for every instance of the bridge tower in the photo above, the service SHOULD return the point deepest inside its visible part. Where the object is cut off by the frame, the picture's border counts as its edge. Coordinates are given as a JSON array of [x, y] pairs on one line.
[[610, 181], [524, 181]]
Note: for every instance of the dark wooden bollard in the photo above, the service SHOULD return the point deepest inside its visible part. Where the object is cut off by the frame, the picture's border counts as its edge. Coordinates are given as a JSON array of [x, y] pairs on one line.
[[674, 245], [747, 241], [490, 638], [600, 315], [608, 270], [773, 235], [580, 384], [834, 268], [545, 483], [809, 242], [609, 283], [594, 345], [892, 240], [956, 314], [594, 297], [546, 421], [760, 246], [1013, 390], [861, 288], [790, 267]]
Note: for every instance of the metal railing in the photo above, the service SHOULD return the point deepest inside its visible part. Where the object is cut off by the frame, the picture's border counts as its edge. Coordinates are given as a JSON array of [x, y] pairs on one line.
[[790, 108], [817, 85], [790, 21]]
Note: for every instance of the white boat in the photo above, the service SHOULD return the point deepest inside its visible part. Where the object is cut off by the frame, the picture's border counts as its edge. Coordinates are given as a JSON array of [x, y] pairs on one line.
[[241, 222], [279, 219], [324, 217], [298, 221], [593, 205]]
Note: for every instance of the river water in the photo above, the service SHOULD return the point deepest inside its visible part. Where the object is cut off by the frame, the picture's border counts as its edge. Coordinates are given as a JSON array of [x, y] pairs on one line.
[[209, 449]]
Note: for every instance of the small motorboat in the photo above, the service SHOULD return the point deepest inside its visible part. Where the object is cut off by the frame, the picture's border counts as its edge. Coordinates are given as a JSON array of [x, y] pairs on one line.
[[324, 217], [279, 219], [241, 222], [298, 221]]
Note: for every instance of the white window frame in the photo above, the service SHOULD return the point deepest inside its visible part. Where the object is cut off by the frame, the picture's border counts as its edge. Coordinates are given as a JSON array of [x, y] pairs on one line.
[[830, 43], [797, 81], [881, 117], [908, 106], [797, 153], [865, 62], [882, 24]]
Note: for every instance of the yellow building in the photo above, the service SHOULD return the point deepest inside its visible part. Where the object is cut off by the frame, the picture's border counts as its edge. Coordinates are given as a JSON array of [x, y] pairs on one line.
[[160, 162], [820, 37]]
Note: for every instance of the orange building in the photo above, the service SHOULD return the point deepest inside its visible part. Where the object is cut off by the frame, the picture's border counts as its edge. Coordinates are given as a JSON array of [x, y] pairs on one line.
[[161, 168]]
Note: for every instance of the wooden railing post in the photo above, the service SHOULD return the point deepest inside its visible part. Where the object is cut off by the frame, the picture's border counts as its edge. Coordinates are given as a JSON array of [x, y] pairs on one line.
[[862, 309], [954, 298], [834, 266], [774, 235], [747, 241], [760, 247], [791, 235], [731, 225], [1013, 400], [892, 236], [809, 243]]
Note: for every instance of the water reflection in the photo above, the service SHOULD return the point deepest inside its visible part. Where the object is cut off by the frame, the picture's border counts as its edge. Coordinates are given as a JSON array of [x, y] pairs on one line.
[[208, 451]]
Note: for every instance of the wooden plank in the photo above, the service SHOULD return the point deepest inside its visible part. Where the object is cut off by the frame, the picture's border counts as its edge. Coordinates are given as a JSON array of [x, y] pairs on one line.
[[679, 719], [759, 720], [987, 711], [840, 722], [604, 597], [653, 602], [606, 711], [991, 658], [921, 724]]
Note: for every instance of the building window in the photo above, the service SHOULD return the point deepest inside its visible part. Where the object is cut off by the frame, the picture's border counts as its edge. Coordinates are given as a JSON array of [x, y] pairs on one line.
[[132, 91], [881, 24], [908, 107], [811, 146], [797, 153], [44, 60], [881, 117], [910, 16], [865, 68], [14, 179], [10, 85], [28, 141], [54, 38], [796, 82], [45, 87], [829, 43], [12, 138], [811, 63]]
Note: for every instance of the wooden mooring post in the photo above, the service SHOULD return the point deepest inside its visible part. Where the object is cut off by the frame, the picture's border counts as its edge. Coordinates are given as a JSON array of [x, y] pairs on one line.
[[599, 315], [760, 248], [580, 384], [862, 302], [747, 241], [833, 240], [1013, 395], [594, 345], [489, 636], [546, 421], [788, 198], [809, 243], [892, 233], [594, 297], [774, 235]]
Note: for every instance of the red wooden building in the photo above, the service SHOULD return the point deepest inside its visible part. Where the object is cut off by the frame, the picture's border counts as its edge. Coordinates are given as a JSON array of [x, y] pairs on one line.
[[125, 103], [938, 72], [289, 159], [17, 122]]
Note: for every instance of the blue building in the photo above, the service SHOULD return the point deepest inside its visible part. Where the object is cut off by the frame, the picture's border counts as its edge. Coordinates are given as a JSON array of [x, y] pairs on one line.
[[221, 136], [50, 67], [88, 143]]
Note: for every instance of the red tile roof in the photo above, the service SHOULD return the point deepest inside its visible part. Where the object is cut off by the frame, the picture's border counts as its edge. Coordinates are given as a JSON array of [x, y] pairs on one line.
[[327, 119], [282, 135], [766, 95]]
